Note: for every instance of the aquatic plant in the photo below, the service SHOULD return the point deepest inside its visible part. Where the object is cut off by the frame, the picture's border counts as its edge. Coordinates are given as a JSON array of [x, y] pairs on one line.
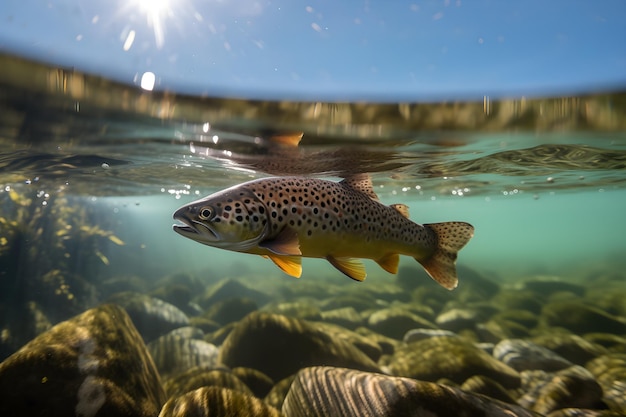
[[50, 252]]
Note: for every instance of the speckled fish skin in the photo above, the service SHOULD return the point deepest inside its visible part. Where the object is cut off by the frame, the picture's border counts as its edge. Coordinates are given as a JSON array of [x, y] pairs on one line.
[[287, 218]]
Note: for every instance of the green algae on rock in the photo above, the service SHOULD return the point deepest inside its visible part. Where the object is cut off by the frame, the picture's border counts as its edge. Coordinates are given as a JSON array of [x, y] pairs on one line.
[[449, 357], [204, 376], [279, 346], [94, 363], [217, 402], [152, 317]]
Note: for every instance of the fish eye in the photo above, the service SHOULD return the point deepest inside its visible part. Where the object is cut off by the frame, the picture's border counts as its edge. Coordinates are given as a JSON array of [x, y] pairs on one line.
[[205, 213]]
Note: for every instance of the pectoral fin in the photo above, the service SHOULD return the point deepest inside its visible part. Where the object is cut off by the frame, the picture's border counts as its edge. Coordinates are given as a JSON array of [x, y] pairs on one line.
[[290, 265], [351, 267], [286, 243], [389, 262]]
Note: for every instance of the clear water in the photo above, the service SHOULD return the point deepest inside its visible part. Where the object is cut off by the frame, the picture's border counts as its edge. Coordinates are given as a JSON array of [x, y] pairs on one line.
[[85, 162]]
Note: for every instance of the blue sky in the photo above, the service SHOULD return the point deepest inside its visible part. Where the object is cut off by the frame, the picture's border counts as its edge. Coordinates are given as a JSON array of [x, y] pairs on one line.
[[328, 49]]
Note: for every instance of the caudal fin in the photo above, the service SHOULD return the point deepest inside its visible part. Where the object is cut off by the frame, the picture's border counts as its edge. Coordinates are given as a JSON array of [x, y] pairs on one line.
[[451, 237]]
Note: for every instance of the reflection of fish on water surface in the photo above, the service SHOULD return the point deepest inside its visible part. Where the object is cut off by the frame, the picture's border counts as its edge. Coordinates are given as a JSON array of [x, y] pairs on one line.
[[287, 218], [280, 155]]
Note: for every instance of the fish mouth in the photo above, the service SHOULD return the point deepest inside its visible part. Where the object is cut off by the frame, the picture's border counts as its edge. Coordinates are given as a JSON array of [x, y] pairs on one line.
[[195, 230]]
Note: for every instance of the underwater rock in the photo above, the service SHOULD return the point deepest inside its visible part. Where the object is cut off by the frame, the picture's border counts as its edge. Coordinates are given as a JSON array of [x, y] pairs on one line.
[[457, 319], [279, 346], [580, 318], [217, 337], [217, 402], [359, 303], [610, 372], [204, 324], [525, 318], [188, 332], [94, 363], [277, 394], [394, 322], [581, 412], [573, 387], [495, 330], [230, 288], [386, 292], [259, 383], [452, 358], [572, 347], [178, 295], [613, 343], [346, 317], [370, 347], [174, 354], [203, 376], [421, 334], [326, 391], [547, 286], [386, 344], [299, 309], [120, 284], [518, 300], [151, 316], [230, 310], [194, 284], [523, 355], [485, 386]]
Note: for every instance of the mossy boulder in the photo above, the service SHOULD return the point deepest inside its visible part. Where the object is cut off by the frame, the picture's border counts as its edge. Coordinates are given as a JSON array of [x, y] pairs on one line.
[[279, 346], [93, 364]]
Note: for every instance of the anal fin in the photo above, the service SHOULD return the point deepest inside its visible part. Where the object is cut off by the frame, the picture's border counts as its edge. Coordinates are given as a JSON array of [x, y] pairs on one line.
[[290, 265], [389, 262], [353, 268]]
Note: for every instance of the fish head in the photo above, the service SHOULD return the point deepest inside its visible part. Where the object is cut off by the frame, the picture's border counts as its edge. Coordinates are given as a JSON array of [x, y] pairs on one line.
[[234, 219]]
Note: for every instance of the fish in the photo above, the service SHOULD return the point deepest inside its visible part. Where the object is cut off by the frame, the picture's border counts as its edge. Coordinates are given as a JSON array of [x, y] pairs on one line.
[[287, 218]]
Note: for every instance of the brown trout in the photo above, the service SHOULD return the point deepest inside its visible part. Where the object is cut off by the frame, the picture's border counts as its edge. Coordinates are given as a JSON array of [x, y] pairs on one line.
[[287, 218]]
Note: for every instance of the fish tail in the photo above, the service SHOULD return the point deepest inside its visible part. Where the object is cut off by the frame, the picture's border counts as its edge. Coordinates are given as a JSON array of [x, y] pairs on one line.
[[441, 265]]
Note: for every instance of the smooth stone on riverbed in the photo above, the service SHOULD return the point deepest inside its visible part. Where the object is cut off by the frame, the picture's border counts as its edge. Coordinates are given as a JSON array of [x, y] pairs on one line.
[[173, 353], [573, 387], [217, 402], [204, 376], [93, 364], [581, 318], [394, 322], [523, 355], [279, 346], [415, 335], [610, 372], [152, 317], [327, 391], [449, 357]]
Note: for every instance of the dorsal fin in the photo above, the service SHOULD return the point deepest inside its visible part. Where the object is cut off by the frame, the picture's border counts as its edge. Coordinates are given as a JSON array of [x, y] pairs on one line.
[[402, 209], [361, 183]]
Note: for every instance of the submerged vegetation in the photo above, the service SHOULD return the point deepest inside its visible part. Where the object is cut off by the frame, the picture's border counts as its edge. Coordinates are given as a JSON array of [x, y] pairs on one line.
[[51, 252]]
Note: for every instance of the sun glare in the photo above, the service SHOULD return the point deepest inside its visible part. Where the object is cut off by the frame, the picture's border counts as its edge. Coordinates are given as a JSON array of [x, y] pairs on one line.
[[156, 12]]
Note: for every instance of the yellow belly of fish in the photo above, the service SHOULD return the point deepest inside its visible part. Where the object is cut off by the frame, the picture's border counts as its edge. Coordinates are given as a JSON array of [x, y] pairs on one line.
[[341, 250]]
